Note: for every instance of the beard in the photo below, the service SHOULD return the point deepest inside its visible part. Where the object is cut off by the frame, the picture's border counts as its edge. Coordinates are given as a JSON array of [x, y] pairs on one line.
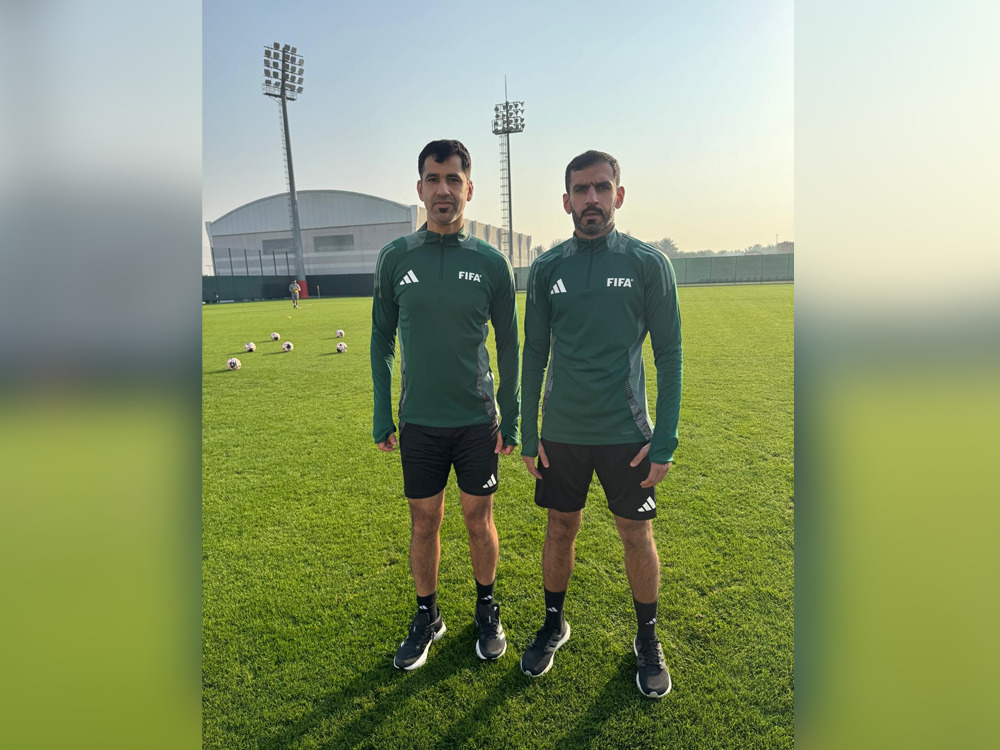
[[593, 221], [444, 214]]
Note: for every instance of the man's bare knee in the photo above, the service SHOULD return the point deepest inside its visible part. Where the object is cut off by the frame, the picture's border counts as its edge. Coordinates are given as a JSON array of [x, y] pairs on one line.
[[635, 535], [477, 512], [562, 528]]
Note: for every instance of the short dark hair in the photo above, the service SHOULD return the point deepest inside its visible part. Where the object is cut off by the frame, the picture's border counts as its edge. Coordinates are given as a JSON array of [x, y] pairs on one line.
[[442, 151], [589, 159]]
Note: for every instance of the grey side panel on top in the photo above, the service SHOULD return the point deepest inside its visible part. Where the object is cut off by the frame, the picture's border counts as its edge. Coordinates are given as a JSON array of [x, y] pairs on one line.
[[484, 377], [548, 375], [402, 373], [635, 384]]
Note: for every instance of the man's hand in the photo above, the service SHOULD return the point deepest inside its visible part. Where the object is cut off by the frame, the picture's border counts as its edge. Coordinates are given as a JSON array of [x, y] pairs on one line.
[[389, 444], [529, 462], [656, 471], [501, 448]]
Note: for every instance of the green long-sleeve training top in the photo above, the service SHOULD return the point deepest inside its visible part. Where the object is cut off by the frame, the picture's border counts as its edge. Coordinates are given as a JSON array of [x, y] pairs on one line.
[[440, 292], [590, 305]]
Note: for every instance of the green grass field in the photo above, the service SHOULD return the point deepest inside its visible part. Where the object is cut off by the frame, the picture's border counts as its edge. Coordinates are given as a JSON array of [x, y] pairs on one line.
[[306, 585]]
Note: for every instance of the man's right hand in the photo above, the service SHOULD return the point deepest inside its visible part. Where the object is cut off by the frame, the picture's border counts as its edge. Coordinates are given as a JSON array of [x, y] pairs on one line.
[[529, 461], [389, 444]]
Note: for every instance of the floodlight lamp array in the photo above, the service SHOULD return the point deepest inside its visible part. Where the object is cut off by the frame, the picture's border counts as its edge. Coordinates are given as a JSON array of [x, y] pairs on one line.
[[283, 69], [508, 118]]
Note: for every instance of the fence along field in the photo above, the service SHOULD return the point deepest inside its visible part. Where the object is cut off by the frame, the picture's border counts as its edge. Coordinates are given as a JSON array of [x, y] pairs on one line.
[[307, 591]]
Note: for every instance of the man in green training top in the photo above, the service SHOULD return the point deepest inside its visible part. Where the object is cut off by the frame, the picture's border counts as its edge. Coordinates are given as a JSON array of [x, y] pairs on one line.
[[440, 288], [591, 302]]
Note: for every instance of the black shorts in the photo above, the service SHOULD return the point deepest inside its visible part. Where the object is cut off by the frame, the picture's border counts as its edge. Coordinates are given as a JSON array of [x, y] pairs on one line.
[[428, 453], [564, 484]]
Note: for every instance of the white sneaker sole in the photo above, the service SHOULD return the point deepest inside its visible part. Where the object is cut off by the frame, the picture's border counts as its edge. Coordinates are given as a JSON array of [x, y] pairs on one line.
[[490, 658], [423, 657], [651, 694], [553, 659]]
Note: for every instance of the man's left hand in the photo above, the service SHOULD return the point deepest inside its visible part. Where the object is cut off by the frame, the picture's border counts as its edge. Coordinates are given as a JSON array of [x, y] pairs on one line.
[[656, 471], [501, 448]]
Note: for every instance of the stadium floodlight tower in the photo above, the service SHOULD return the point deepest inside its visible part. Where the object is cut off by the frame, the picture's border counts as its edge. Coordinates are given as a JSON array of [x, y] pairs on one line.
[[283, 82], [507, 118]]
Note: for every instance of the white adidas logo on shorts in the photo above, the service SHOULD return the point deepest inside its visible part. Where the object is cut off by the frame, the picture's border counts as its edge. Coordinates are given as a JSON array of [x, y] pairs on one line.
[[491, 483], [648, 505]]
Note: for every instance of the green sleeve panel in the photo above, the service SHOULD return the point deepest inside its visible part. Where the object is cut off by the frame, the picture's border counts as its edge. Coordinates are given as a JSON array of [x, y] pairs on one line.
[[385, 318], [663, 317], [537, 336], [503, 315]]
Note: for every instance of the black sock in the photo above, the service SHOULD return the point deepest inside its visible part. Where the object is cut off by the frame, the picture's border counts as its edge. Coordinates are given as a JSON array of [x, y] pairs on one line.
[[484, 594], [428, 604], [554, 601], [645, 615]]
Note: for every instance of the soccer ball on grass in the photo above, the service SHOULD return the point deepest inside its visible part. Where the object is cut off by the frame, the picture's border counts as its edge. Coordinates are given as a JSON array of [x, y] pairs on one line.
[[340, 333], [287, 346], [234, 364], [275, 337], [250, 346], [341, 347]]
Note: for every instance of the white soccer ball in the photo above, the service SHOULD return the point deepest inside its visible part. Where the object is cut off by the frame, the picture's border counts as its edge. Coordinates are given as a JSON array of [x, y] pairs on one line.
[[234, 364], [340, 333], [275, 337], [250, 346], [341, 347], [287, 346]]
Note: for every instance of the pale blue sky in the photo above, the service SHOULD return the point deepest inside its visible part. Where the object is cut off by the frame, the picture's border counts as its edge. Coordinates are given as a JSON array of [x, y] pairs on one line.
[[694, 99]]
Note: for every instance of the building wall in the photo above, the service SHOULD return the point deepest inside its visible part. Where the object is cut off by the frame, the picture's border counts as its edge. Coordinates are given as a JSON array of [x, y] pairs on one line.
[[342, 233], [359, 257]]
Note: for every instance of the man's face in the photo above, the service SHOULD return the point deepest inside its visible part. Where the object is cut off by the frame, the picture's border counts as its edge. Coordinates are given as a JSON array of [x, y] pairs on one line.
[[445, 189], [592, 199]]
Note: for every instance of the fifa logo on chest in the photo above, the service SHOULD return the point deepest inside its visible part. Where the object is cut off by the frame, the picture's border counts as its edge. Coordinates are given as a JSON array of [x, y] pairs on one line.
[[469, 276], [619, 282]]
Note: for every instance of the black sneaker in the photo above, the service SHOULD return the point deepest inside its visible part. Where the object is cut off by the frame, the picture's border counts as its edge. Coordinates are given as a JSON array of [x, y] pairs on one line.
[[537, 659], [653, 677], [412, 652], [492, 642]]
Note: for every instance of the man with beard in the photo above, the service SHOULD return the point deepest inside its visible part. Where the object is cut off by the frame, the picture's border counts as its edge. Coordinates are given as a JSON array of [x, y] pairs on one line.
[[591, 301], [440, 287]]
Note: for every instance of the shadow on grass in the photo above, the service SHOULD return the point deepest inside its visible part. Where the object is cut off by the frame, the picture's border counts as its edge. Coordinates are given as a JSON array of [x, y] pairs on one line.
[[327, 354], [513, 684], [385, 689], [618, 694]]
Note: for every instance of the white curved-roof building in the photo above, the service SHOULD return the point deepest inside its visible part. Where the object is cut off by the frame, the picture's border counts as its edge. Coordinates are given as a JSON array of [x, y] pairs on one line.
[[342, 233]]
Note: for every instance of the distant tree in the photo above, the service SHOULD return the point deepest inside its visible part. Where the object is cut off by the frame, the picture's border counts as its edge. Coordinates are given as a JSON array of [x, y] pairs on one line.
[[668, 246], [555, 242]]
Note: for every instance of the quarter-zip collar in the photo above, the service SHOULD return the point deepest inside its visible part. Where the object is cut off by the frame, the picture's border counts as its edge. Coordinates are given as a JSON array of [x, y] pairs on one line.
[[597, 245], [455, 239]]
